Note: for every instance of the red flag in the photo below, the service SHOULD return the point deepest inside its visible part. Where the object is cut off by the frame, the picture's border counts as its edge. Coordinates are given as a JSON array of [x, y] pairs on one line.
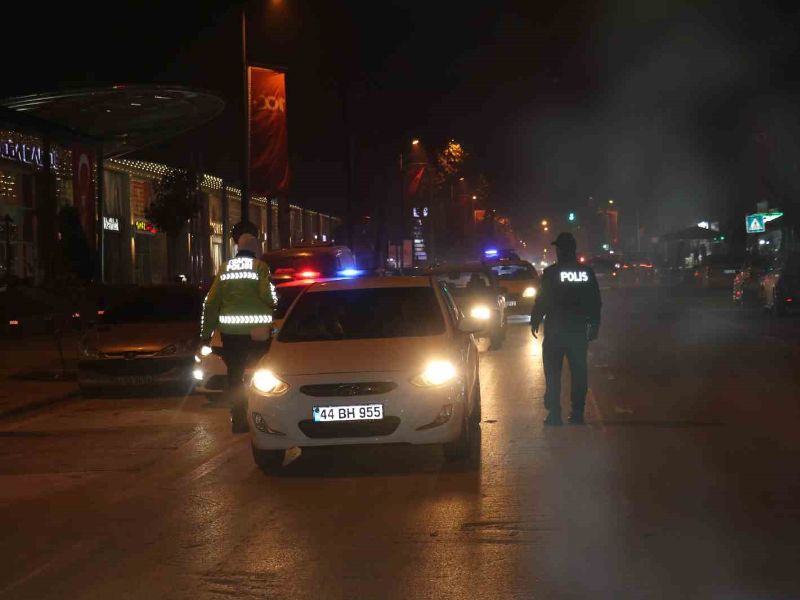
[[83, 189], [269, 147]]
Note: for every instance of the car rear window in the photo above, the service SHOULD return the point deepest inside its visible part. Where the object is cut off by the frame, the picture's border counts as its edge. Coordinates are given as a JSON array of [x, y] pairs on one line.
[[324, 264], [287, 295], [155, 306], [514, 272], [461, 280], [364, 314]]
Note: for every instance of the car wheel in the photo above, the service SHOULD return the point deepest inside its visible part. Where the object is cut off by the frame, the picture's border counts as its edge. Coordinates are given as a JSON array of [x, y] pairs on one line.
[[269, 461], [476, 415], [459, 448]]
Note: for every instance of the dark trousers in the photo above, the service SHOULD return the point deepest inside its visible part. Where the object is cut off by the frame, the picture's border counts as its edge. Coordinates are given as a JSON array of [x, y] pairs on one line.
[[238, 351], [554, 349]]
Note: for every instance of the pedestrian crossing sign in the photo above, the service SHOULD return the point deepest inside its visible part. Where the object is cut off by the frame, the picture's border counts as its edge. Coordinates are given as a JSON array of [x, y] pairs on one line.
[[754, 223]]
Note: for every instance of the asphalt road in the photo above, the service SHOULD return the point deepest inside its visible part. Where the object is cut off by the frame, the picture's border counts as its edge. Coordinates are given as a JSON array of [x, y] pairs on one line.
[[685, 484]]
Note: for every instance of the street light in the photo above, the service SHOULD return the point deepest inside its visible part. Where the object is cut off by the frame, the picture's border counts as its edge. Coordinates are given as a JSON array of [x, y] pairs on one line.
[[415, 142], [611, 202], [544, 223]]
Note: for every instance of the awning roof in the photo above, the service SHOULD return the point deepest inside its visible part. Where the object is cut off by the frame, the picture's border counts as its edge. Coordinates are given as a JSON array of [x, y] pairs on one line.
[[124, 117]]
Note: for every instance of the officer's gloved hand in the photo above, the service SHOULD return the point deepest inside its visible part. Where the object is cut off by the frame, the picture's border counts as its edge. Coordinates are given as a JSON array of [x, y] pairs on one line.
[[592, 331]]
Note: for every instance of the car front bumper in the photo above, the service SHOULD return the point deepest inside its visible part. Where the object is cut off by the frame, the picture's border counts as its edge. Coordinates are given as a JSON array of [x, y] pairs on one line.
[[145, 371], [409, 412]]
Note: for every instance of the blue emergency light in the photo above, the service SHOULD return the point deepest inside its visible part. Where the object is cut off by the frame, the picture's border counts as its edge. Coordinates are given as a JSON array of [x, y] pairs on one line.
[[350, 273], [490, 252]]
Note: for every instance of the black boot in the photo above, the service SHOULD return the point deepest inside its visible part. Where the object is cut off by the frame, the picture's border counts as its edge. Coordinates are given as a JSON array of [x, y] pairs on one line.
[[576, 418], [239, 420], [553, 418]]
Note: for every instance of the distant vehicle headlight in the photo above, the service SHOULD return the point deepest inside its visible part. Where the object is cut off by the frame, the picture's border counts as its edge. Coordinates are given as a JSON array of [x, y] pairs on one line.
[[437, 372], [205, 350], [198, 374], [90, 351], [529, 292], [265, 382], [481, 312]]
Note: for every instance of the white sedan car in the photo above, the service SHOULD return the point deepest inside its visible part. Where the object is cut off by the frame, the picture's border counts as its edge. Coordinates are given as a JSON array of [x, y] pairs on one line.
[[377, 360]]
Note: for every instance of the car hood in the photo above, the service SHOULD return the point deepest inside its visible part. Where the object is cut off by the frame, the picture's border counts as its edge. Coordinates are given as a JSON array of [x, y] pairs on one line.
[[142, 337], [355, 356]]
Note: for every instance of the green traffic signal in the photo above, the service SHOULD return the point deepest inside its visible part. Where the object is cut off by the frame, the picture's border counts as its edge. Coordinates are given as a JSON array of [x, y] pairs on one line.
[[571, 216]]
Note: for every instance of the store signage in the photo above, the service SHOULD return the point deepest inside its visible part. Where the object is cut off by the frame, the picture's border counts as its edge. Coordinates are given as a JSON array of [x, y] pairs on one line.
[[24, 153], [216, 227], [144, 227], [111, 223]]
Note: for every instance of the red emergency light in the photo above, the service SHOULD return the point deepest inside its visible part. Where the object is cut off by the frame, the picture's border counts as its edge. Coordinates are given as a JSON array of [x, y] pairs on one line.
[[308, 274]]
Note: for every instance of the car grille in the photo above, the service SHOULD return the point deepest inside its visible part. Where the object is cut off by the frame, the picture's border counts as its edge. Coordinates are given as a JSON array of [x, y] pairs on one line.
[[364, 388], [349, 429], [512, 297], [144, 366]]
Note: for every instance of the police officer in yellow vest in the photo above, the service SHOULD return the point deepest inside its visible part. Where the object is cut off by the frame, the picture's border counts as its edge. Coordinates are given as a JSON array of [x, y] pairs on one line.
[[240, 302], [569, 303]]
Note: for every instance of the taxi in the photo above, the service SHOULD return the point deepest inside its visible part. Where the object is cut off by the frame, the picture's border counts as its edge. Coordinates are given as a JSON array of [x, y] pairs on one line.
[[520, 281]]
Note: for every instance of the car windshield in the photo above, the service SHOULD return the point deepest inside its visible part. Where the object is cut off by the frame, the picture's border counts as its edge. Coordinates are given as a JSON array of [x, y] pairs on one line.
[[364, 314], [156, 306], [514, 272]]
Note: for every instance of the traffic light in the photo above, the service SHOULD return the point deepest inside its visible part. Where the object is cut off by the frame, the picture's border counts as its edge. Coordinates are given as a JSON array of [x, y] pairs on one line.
[[571, 217]]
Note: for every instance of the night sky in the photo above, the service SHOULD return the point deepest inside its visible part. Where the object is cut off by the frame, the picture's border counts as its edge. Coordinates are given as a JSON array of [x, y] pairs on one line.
[[688, 109]]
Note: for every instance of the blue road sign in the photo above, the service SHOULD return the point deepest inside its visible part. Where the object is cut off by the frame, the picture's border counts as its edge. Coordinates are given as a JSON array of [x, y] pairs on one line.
[[754, 223]]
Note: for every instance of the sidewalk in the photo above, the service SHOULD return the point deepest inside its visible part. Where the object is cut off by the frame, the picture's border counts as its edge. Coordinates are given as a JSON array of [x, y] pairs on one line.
[[31, 373]]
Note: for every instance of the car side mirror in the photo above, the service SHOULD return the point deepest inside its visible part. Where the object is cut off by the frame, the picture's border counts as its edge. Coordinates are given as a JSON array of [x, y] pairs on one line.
[[470, 325]]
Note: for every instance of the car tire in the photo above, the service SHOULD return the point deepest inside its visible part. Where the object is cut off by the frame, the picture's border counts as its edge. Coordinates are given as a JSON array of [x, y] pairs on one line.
[[496, 340], [268, 461], [90, 391], [476, 416], [459, 449]]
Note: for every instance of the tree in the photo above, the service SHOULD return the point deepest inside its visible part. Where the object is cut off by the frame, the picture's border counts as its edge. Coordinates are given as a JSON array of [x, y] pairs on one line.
[[175, 201], [449, 161]]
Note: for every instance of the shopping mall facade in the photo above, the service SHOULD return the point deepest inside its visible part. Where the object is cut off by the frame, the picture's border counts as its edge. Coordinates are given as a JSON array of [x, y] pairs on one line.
[[49, 170]]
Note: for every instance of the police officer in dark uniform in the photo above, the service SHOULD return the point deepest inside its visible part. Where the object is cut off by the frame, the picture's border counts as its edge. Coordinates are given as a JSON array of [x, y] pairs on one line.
[[569, 303]]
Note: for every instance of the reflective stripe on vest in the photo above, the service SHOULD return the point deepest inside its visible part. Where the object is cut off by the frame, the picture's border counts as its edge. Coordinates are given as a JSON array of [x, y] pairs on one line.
[[244, 319], [239, 275]]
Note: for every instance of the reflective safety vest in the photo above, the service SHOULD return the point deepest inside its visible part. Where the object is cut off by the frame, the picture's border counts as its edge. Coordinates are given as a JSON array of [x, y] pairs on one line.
[[241, 299]]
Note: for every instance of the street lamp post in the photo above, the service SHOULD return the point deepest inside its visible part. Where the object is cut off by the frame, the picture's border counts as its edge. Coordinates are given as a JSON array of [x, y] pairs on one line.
[[246, 123]]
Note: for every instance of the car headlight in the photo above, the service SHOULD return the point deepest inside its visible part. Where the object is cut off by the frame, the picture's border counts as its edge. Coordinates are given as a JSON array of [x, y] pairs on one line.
[[265, 382], [529, 292], [480, 312], [437, 372], [198, 374]]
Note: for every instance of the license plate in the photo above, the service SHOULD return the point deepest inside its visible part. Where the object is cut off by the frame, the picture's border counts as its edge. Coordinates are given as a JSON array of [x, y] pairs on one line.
[[357, 412], [133, 379], [511, 303]]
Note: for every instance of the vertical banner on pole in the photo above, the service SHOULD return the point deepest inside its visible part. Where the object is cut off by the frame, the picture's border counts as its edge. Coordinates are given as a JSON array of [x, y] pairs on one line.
[[269, 136], [83, 190]]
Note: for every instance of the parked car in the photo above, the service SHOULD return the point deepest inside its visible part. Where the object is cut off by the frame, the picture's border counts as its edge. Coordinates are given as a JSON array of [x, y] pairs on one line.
[[780, 285], [747, 288], [147, 338], [520, 281], [376, 360], [477, 294], [311, 262], [717, 272]]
